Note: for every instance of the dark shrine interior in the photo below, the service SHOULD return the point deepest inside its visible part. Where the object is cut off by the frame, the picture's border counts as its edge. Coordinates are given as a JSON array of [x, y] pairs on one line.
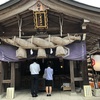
[[59, 67], [61, 74]]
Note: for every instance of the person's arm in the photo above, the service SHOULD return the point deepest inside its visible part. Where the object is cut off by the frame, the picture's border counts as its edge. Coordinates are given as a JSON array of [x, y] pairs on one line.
[[39, 68], [44, 75], [45, 71], [52, 71]]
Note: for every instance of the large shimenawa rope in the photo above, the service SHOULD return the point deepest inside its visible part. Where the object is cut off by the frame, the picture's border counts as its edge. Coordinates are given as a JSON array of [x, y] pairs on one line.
[[40, 44]]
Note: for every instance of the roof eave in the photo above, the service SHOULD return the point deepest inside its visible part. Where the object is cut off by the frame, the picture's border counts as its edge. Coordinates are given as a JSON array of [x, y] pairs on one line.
[[8, 4], [81, 5]]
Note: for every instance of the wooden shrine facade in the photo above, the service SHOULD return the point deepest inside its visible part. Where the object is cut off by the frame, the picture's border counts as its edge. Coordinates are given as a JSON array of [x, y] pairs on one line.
[[64, 17]]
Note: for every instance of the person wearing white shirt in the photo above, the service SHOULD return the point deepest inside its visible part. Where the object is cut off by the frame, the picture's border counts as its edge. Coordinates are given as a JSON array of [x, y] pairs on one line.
[[34, 69]]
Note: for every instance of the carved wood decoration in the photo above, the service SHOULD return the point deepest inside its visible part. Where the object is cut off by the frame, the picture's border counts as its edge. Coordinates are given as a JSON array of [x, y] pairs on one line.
[[38, 6], [40, 15]]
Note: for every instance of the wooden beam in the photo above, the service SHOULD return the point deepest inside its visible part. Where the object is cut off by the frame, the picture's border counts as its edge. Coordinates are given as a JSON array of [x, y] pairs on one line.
[[6, 81], [39, 35], [94, 25], [85, 73], [10, 21], [1, 77], [78, 79], [1, 29], [73, 19], [14, 21], [30, 28], [12, 74], [72, 76], [94, 30], [66, 17]]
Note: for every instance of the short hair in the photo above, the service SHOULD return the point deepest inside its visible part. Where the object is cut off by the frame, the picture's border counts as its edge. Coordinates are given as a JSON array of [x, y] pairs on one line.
[[49, 63]]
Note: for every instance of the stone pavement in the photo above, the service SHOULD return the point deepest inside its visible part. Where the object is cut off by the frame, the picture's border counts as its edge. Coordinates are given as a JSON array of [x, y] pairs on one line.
[[56, 95]]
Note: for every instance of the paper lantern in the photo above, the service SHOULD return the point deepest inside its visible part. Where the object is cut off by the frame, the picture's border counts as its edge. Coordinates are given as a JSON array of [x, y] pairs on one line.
[[97, 62]]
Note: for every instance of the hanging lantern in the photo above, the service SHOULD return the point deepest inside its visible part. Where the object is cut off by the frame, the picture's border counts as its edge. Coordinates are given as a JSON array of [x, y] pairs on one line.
[[41, 53], [60, 51], [93, 62], [96, 59]]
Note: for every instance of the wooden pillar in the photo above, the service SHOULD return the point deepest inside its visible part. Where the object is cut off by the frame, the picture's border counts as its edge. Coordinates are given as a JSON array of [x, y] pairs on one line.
[[12, 74], [1, 77], [72, 76], [85, 73]]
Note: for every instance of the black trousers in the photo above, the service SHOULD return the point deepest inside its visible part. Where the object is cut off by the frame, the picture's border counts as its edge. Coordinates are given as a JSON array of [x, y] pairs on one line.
[[34, 84]]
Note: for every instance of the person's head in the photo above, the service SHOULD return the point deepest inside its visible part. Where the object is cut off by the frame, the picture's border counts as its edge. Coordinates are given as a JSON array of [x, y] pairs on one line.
[[35, 61], [49, 64]]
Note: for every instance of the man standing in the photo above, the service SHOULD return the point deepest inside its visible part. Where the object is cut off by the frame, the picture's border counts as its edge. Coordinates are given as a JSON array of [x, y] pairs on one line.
[[34, 69]]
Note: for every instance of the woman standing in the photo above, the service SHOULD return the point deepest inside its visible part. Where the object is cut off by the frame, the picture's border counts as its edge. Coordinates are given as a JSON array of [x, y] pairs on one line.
[[48, 79]]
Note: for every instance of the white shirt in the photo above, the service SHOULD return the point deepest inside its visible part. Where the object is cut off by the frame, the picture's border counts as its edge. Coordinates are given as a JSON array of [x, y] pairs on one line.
[[34, 68]]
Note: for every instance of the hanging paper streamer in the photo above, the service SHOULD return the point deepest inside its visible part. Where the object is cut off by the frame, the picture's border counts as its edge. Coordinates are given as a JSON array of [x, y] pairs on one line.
[[31, 51], [51, 51]]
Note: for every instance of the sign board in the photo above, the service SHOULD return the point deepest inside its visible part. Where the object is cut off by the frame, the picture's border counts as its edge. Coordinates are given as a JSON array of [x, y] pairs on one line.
[[40, 20]]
